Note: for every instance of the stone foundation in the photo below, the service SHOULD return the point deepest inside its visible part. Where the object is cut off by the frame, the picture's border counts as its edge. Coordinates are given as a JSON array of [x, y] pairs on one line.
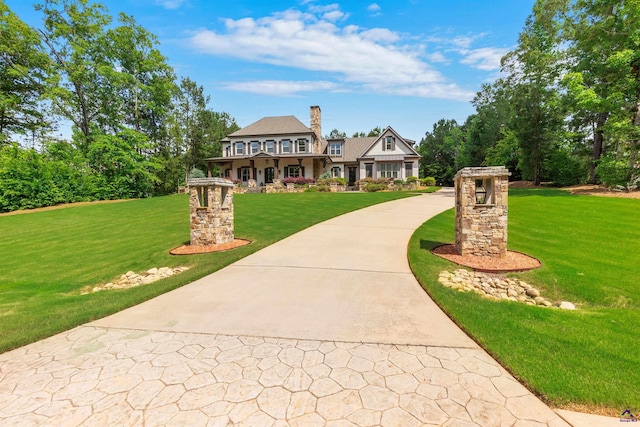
[[481, 211], [211, 208]]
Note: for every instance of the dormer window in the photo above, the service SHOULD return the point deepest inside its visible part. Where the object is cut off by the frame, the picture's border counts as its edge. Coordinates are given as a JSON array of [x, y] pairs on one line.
[[239, 148], [302, 146], [270, 146], [389, 143], [335, 149], [286, 146]]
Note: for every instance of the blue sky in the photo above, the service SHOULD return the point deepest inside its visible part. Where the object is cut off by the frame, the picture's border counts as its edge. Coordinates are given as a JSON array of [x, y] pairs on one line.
[[399, 63]]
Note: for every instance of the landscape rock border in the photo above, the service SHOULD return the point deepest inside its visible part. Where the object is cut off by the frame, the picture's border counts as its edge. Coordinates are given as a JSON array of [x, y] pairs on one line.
[[497, 287], [132, 279]]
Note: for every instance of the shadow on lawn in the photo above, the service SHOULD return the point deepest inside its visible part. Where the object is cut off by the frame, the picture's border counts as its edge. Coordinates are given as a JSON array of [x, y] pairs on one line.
[[430, 244]]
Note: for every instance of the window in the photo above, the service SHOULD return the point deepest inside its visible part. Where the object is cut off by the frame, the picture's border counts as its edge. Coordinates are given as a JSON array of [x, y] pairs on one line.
[[245, 174], [368, 167], [389, 143], [239, 147], [408, 170], [389, 170], [336, 172], [255, 147], [292, 172], [302, 145], [286, 146], [335, 149], [270, 147]]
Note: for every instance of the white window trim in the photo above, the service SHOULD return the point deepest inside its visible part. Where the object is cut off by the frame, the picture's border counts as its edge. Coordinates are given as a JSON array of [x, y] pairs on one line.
[[289, 146], [389, 170]]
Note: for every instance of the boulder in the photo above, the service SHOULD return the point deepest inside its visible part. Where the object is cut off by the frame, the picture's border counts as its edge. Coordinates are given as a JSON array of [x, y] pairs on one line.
[[566, 305], [533, 292]]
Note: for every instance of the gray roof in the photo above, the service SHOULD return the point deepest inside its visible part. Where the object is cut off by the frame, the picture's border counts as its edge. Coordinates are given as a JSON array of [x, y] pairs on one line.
[[355, 147], [280, 125]]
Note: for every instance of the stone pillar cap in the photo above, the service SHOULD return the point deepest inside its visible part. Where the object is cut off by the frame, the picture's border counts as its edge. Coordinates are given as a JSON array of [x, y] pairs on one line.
[[483, 172], [208, 182]]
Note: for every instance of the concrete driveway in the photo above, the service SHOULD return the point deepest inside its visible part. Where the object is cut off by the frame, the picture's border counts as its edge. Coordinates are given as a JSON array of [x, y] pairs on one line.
[[326, 327]]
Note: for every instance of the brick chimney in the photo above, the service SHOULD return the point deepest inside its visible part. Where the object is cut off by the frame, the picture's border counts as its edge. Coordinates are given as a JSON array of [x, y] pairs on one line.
[[316, 127]]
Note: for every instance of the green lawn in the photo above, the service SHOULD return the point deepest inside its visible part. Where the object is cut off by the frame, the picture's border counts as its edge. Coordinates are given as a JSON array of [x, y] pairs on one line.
[[48, 256], [590, 253]]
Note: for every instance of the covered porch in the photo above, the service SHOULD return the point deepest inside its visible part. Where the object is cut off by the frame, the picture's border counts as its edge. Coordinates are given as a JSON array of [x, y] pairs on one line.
[[264, 168]]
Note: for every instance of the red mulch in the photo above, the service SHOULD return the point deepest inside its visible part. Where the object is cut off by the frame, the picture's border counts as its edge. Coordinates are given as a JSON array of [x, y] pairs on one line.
[[512, 261], [191, 250]]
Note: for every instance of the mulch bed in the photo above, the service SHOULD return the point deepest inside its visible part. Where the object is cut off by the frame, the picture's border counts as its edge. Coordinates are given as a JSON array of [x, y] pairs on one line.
[[191, 250], [513, 261]]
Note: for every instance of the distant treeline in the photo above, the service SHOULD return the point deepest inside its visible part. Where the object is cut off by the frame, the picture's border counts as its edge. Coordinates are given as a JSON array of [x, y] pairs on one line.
[[567, 108]]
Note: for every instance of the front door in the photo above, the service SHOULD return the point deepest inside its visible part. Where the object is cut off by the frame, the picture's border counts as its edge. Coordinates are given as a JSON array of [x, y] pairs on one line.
[[268, 175], [352, 176]]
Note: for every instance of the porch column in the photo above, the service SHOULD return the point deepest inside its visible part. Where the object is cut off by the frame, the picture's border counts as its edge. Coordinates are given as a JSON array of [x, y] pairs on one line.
[[300, 166], [276, 163], [209, 169], [231, 172], [251, 166]]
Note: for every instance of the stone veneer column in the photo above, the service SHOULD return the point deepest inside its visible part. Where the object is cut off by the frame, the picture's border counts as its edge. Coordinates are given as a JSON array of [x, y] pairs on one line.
[[211, 210], [481, 228], [316, 127]]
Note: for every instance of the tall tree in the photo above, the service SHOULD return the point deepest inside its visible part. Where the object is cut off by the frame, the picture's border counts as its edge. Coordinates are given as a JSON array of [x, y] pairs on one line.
[[534, 69], [485, 129], [440, 149], [74, 33], [23, 72], [603, 38], [143, 79], [336, 134], [190, 104]]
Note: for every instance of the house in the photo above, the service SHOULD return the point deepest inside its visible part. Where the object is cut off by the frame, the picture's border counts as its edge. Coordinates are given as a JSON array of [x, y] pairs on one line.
[[283, 147]]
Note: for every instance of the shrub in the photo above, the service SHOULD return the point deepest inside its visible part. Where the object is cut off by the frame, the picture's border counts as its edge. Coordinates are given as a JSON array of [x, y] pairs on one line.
[[564, 169], [196, 173], [298, 181], [373, 187], [411, 179], [365, 181], [428, 181], [331, 180], [318, 189], [398, 182], [613, 171]]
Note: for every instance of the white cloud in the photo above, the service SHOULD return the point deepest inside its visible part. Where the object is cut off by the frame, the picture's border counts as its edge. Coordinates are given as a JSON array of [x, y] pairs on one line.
[[373, 59], [438, 57], [170, 4], [486, 58], [374, 7], [283, 87]]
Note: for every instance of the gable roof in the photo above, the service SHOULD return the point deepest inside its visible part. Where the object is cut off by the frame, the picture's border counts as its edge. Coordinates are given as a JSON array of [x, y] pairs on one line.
[[279, 125], [376, 139]]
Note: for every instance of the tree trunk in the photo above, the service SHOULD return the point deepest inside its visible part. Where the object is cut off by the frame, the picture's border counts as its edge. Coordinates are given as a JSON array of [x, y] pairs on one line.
[[598, 145]]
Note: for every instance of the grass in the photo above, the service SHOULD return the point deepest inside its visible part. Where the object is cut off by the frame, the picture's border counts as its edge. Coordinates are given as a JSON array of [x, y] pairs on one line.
[[48, 256], [589, 248]]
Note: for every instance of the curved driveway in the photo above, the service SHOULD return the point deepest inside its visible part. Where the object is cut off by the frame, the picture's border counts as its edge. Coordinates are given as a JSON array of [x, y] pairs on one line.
[[326, 327]]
